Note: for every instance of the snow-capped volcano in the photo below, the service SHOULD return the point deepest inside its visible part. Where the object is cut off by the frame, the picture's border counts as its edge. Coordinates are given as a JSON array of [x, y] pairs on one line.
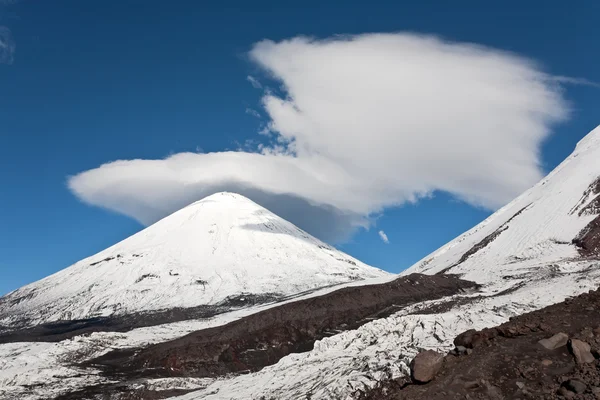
[[222, 247]]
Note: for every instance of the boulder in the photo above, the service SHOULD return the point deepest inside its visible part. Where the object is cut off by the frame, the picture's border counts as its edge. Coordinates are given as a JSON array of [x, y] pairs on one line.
[[566, 393], [556, 341], [575, 386], [581, 351], [465, 338], [426, 365]]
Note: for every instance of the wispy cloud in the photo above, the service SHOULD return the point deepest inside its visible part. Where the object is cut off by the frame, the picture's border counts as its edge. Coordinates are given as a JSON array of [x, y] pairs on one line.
[[254, 82], [7, 46], [384, 237], [362, 123], [574, 81], [252, 112]]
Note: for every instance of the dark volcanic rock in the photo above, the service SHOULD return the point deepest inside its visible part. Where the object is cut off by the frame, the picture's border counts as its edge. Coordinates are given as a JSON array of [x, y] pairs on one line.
[[508, 362], [261, 339], [588, 240], [575, 385], [61, 330], [426, 365]]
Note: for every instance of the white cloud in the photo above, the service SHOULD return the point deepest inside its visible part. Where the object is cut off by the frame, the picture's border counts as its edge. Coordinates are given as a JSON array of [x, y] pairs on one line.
[[384, 237], [254, 82], [366, 122]]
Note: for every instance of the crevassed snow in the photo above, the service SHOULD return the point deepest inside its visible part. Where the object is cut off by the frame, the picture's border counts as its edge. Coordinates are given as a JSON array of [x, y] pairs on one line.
[[224, 245], [339, 366], [33, 370]]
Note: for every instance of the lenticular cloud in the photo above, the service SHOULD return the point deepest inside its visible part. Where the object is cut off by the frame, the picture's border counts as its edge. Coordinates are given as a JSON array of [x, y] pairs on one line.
[[361, 123]]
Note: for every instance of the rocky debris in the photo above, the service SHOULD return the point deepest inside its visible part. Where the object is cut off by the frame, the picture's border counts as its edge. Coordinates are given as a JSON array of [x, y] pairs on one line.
[[461, 351], [575, 386], [546, 354], [426, 365], [588, 240], [566, 393], [581, 351], [67, 329], [556, 341], [262, 339]]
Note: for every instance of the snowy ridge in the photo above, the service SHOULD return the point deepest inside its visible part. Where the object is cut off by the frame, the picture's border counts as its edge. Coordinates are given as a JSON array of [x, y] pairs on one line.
[[538, 225], [220, 247]]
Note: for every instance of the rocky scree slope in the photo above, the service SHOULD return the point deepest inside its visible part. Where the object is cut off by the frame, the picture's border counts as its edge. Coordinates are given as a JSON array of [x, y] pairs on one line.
[[552, 353]]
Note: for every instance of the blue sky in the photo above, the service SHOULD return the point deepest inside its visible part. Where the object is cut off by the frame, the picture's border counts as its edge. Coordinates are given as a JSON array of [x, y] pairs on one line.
[[97, 81]]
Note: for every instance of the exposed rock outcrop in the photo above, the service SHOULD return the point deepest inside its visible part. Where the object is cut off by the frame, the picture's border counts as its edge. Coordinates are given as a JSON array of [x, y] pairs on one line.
[[523, 358]]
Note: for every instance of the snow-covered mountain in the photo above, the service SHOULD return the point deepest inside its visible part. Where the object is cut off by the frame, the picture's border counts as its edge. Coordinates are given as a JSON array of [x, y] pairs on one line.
[[543, 225], [220, 248], [541, 248], [536, 251]]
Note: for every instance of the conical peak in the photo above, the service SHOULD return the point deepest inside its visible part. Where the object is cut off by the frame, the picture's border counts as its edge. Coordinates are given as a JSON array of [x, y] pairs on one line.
[[220, 247]]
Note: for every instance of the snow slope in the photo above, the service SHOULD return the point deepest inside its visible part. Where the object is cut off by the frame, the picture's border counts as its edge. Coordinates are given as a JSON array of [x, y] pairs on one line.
[[530, 263], [220, 247], [522, 256], [539, 225]]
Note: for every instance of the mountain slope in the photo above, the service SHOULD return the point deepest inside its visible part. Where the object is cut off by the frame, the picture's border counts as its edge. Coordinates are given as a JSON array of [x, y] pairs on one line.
[[224, 249], [526, 256], [543, 224], [536, 251]]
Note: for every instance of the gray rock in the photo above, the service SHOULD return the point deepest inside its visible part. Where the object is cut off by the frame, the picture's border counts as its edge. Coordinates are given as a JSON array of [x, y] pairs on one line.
[[426, 365], [493, 392], [556, 341], [581, 351], [576, 386], [564, 392]]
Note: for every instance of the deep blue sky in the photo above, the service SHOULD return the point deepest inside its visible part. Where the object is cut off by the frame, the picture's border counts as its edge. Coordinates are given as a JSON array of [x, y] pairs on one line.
[[96, 81]]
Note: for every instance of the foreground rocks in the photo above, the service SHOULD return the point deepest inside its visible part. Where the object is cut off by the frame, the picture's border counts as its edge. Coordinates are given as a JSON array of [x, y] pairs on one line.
[[426, 365], [556, 341], [553, 353]]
